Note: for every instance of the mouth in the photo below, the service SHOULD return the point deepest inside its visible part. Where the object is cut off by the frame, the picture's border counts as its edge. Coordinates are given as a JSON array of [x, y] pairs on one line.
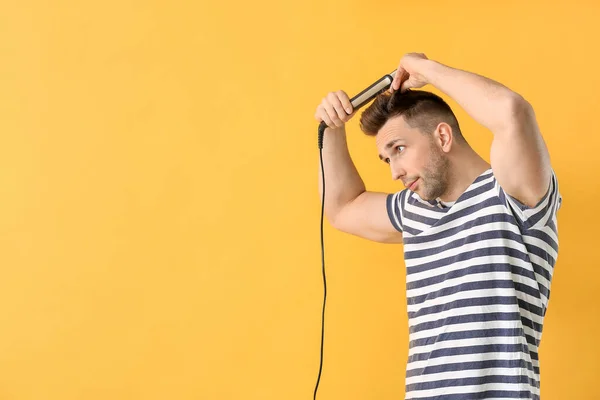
[[411, 185]]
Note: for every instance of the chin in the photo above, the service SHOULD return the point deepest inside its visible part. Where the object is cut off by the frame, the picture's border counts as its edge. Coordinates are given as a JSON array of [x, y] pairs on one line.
[[425, 196]]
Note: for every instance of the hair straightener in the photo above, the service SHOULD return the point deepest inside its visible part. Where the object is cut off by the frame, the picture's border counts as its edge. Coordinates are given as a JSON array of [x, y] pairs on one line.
[[380, 86]]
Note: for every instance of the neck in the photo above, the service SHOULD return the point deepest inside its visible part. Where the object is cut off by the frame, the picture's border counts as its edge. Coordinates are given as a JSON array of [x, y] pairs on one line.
[[465, 166]]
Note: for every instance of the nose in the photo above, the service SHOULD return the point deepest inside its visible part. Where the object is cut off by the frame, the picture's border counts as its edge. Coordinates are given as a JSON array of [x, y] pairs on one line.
[[397, 171]]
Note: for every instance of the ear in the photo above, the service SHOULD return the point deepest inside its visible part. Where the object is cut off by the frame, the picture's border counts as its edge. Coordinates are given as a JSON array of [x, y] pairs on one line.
[[443, 136]]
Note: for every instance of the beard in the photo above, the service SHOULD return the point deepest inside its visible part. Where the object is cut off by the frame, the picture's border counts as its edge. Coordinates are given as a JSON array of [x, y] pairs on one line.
[[435, 176]]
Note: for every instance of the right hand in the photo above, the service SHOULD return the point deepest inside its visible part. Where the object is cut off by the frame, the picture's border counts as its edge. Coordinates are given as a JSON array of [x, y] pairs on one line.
[[335, 109]]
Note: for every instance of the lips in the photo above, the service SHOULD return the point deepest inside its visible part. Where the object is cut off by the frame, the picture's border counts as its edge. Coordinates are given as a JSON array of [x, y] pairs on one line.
[[410, 185]]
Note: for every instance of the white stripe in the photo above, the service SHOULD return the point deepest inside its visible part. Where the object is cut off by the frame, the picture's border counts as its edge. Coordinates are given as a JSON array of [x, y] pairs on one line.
[[461, 265], [479, 341], [468, 247], [531, 240], [499, 209], [419, 394], [471, 326], [548, 231], [509, 324], [477, 229], [428, 212]]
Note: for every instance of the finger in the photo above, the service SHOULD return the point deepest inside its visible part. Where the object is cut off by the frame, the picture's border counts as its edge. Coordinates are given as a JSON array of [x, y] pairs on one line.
[[318, 114], [324, 117], [345, 100], [407, 84], [332, 114], [398, 78], [339, 108]]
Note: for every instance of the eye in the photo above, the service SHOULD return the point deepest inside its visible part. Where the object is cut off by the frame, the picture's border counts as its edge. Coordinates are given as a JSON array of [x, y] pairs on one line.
[[399, 149]]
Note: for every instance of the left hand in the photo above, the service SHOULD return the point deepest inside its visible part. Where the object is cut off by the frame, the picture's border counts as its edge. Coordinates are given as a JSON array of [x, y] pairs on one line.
[[407, 74]]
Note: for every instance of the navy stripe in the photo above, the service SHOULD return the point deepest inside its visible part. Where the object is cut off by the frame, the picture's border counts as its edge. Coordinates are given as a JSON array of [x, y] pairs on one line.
[[470, 365], [525, 305], [531, 324], [467, 255], [479, 285], [465, 196], [537, 217], [410, 230], [477, 191], [447, 233], [543, 254], [475, 269], [538, 269], [420, 218], [479, 380], [543, 289], [393, 210], [543, 236], [473, 334], [485, 175], [552, 226], [532, 341], [453, 215]]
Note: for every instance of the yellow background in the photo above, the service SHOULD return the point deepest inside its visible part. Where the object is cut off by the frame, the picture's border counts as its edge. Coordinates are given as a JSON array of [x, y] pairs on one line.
[[159, 218]]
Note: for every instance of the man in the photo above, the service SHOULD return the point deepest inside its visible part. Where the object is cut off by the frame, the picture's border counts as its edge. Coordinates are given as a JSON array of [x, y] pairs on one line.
[[480, 240]]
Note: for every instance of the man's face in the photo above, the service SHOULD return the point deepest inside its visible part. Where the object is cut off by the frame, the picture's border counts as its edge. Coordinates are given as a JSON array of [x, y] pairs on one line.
[[414, 157]]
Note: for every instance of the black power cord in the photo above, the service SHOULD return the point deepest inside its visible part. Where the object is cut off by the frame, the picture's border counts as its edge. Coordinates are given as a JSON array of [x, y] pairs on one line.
[[357, 102], [322, 127]]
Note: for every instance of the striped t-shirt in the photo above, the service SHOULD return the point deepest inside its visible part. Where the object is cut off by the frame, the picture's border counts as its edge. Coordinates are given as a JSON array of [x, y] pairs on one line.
[[478, 283]]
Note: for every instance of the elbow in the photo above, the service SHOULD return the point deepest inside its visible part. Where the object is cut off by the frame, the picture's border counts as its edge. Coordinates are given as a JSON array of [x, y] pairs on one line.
[[517, 111], [337, 222], [332, 218]]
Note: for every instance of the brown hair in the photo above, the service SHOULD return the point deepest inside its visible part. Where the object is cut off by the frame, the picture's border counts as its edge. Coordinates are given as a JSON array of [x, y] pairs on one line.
[[421, 109]]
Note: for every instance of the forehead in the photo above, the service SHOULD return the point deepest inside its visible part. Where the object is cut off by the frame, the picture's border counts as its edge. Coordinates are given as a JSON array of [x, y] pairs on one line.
[[395, 129]]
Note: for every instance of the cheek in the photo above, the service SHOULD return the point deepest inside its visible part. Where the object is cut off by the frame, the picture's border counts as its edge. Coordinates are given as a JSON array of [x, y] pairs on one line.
[[416, 162]]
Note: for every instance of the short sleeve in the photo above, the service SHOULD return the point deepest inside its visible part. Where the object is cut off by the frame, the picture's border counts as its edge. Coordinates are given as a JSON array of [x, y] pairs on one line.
[[394, 204], [542, 214]]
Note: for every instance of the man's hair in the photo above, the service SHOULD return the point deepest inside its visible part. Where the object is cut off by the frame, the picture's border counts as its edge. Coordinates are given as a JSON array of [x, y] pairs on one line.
[[420, 109]]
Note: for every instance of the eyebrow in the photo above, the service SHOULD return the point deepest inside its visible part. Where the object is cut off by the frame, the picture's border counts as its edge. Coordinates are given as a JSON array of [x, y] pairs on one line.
[[389, 146]]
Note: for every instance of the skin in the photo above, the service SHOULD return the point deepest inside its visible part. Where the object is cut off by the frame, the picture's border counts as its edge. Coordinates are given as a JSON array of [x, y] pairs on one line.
[[440, 166]]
